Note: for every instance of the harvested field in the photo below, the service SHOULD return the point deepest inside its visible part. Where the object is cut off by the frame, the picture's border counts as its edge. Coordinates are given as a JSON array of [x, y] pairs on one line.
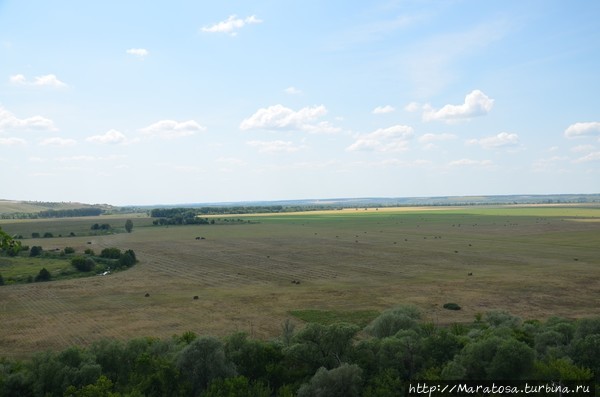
[[535, 262]]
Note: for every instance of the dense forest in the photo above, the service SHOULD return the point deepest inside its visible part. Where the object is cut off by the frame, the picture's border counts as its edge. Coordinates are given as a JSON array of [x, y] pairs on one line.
[[317, 360]]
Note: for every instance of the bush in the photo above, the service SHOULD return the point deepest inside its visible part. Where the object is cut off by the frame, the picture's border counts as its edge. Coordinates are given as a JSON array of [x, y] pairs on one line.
[[43, 275], [83, 264], [110, 253], [69, 250], [89, 251], [35, 235], [48, 235], [451, 306], [36, 250]]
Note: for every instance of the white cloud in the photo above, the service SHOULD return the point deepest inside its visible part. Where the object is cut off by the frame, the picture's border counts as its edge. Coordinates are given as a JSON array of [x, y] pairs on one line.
[[109, 137], [169, 129], [548, 164], [275, 146], [391, 139], [279, 117], [12, 141], [583, 148], [503, 139], [413, 107], [48, 80], [594, 156], [10, 121], [583, 129], [476, 104], [470, 163], [231, 25], [138, 52], [383, 109], [292, 90], [57, 141]]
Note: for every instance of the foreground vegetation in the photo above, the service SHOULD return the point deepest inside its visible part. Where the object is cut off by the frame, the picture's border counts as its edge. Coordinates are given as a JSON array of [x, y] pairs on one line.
[[318, 360]]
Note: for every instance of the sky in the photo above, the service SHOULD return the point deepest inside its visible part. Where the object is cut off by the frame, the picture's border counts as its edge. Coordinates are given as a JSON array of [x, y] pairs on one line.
[[147, 102]]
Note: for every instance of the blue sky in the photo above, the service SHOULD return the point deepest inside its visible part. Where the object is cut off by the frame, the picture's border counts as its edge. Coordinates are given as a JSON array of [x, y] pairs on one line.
[[136, 102]]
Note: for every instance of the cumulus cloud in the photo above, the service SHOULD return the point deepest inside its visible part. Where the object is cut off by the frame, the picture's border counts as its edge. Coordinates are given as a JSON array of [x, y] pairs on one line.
[[503, 139], [10, 121], [391, 139], [413, 107], [470, 163], [169, 129], [476, 104], [383, 109], [275, 146], [57, 141], [48, 80], [231, 25], [138, 52], [583, 129], [12, 141], [109, 137], [279, 117]]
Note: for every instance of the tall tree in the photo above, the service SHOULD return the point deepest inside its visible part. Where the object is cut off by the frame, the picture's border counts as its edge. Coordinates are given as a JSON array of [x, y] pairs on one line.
[[129, 225]]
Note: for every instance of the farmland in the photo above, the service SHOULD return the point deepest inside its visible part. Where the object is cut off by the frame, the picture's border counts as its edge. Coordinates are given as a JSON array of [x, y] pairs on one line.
[[534, 261]]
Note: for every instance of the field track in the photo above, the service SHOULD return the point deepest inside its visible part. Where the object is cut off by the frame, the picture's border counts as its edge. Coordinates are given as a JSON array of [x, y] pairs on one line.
[[535, 262]]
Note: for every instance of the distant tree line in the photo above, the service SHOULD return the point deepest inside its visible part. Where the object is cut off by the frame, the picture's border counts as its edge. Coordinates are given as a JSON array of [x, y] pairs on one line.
[[59, 213], [319, 360]]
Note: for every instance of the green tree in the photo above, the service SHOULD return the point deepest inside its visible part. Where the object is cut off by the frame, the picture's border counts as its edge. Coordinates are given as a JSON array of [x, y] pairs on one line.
[[394, 320], [43, 275], [239, 386], [202, 361], [8, 245], [83, 264], [343, 381], [129, 225], [36, 250]]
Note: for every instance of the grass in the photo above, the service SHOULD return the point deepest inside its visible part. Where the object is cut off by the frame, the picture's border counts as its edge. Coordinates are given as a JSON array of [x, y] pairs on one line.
[[327, 317], [532, 261]]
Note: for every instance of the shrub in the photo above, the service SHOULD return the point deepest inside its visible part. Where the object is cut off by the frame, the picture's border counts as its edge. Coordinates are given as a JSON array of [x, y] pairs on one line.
[[83, 264], [43, 275], [36, 250], [35, 235], [48, 235], [89, 251], [451, 306], [111, 253], [69, 250]]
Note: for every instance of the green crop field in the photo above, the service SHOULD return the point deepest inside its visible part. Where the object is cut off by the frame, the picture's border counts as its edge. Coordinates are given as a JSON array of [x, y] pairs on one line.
[[534, 261]]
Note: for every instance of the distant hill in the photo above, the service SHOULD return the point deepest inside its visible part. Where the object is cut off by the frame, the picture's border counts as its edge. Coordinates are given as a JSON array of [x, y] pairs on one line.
[[12, 207], [403, 201]]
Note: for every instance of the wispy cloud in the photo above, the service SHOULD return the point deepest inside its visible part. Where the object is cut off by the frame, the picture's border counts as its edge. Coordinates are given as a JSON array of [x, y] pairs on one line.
[[391, 139], [594, 156], [12, 141], [9, 121], [110, 137], [169, 129], [275, 146], [292, 90], [48, 80], [231, 25], [138, 52], [383, 109], [58, 141], [470, 163], [502, 140], [476, 104], [278, 117], [583, 129]]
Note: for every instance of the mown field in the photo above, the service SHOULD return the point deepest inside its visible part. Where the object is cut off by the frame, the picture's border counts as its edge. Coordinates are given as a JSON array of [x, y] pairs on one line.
[[534, 261]]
